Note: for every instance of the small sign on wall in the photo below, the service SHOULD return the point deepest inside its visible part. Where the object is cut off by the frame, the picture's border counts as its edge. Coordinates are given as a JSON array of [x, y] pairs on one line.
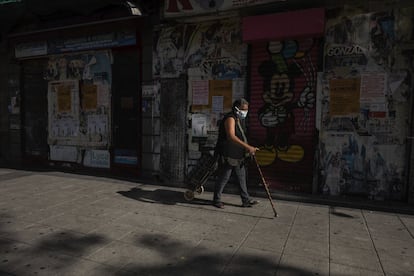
[[125, 156], [96, 159], [63, 153]]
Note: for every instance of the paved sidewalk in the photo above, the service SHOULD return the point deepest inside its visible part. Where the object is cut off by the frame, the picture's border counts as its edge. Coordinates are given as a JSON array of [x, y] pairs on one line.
[[54, 223]]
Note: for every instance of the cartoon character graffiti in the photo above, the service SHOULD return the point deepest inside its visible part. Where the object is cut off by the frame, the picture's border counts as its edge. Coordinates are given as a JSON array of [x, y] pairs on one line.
[[288, 60]]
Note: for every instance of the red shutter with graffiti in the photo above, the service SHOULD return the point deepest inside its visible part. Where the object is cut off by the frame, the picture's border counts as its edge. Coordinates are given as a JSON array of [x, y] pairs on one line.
[[282, 112]]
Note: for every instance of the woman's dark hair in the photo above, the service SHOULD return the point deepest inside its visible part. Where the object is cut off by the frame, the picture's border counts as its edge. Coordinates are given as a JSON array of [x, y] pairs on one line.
[[238, 103]]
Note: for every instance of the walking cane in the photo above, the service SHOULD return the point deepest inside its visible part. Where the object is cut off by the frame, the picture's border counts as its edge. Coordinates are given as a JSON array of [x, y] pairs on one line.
[[265, 185]]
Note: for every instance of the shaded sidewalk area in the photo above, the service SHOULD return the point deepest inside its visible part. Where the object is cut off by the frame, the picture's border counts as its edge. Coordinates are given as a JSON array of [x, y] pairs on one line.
[[54, 223]]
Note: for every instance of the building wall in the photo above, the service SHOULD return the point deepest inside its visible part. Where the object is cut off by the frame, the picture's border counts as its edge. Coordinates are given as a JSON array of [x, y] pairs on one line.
[[211, 58], [363, 130], [151, 145], [365, 111]]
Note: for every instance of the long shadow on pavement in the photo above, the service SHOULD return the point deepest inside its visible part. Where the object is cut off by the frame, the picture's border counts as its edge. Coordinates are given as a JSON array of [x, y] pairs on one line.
[[163, 196], [46, 256]]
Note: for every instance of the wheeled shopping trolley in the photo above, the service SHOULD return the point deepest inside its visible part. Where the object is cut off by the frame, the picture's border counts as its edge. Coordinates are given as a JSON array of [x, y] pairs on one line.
[[198, 176]]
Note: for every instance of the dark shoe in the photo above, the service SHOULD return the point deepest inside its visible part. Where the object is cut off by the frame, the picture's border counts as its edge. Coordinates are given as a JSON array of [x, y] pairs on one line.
[[253, 202], [218, 205], [250, 203]]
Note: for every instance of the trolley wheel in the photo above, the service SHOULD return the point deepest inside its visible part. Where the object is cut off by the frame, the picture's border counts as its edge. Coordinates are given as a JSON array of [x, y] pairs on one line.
[[199, 190], [189, 195]]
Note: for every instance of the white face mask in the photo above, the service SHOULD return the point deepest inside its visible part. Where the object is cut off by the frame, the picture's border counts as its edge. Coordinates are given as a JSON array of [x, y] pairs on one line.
[[241, 113]]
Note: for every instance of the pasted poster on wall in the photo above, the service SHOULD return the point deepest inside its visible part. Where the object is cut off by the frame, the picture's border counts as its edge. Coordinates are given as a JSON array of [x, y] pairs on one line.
[[373, 87], [63, 110], [216, 88], [209, 50], [200, 90], [89, 97], [79, 102], [344, 97]]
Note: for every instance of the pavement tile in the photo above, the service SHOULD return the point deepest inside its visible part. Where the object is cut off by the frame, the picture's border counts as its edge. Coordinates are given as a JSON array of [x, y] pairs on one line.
[[37, 215], [397, 264], [192, 231], [136, 236], [381, 218], [168, 245], [227, 234], [33, 232], [150, 222], [306, 248], [393, 232], [116, 254], [250, 261], [309, 233], [207, 258], [148, 260], [344, 228], [8, 226], [113, 230], [273, 226], [349, 239], [49, 263], [408, 222], [87, 268], [78, 223], [107, 214], [312, 212], [50, 198], [395, 247], [356, 257], [274, 244], [293, 265], [126, 205], [316, 222], [69, 243], [13, 254], [174, 211], [268, 235], [219, 217], [13, 210], [346, 270]]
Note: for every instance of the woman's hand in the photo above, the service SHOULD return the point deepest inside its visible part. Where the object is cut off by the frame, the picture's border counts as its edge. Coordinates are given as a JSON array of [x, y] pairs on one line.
[[252, 150]]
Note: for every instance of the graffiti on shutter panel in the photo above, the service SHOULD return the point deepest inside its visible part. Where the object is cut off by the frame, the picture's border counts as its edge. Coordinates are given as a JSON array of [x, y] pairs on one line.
[[282, 117]]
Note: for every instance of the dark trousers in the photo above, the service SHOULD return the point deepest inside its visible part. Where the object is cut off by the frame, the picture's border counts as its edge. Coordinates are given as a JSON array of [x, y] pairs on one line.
[[224, 175]]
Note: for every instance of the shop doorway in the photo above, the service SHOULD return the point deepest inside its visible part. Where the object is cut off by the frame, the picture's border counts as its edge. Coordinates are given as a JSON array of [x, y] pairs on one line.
[[126, 110], [34, 111]]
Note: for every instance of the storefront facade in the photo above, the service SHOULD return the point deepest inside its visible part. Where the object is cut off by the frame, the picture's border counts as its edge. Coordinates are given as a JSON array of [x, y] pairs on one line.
[[331, 104], [75, 95], [330, 90]]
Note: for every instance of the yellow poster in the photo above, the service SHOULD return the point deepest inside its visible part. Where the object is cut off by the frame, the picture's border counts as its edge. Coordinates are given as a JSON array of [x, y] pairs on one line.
[[64, 99], [344, 96], [89, 97]]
